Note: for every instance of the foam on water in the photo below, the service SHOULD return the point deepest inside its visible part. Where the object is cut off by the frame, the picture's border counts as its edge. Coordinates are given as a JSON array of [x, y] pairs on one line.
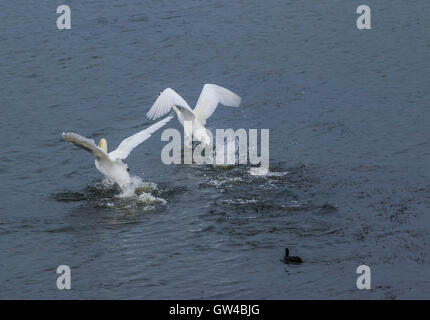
[[137, 194]]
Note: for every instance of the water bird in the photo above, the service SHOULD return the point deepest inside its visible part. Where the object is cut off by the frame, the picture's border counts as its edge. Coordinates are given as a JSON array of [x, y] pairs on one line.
[[111, 164], [291, 259], [209, 98]]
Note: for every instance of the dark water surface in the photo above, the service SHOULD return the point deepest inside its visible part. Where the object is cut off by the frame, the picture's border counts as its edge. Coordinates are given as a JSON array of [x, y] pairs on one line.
[[348, 116]]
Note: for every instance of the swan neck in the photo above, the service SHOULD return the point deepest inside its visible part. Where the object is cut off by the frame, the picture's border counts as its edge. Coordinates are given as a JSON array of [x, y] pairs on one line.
[[176, 110]]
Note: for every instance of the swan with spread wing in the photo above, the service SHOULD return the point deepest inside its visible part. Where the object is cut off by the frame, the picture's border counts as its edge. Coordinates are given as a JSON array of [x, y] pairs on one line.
[[209, 98], [111, 164]]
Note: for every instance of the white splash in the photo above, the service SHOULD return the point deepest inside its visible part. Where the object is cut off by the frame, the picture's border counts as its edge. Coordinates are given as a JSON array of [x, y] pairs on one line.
[[267, 173], [138, 191]]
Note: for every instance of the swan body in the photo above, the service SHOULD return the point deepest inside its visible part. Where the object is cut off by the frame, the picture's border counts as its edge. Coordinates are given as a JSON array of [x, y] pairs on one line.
[[209, 98], [111, 164]]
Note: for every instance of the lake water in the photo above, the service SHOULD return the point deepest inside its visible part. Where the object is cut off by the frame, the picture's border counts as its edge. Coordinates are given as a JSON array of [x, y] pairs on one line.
[[349, 174]]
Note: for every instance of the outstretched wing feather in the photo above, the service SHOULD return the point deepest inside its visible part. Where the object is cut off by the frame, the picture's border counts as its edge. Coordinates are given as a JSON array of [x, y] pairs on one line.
[[209, 99], [165, 102], [86, 144], [128, 144]]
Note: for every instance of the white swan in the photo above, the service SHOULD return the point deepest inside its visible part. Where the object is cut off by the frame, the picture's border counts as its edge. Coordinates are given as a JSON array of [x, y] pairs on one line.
[[208, 101], [111, 164]]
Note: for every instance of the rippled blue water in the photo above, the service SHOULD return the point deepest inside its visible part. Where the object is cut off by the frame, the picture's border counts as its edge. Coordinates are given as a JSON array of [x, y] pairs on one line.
[[348, 117]]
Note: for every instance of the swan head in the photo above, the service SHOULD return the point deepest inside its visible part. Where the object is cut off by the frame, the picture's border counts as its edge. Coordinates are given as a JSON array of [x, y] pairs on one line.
[[158, 95], [287, 252], [103, 144]]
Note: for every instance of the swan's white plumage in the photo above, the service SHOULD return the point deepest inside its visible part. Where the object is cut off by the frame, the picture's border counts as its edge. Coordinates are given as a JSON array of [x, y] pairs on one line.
[[165, 102], [209, 99], [207, 103], [86, 144], [128, 144], [110, 164]]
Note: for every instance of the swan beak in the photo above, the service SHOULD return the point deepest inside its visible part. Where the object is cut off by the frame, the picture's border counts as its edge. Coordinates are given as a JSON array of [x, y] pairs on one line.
[[158, 95], [103, 144]]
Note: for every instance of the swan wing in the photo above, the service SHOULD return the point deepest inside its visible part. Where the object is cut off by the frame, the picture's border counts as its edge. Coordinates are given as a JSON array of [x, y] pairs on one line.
[[165, 102], [128, 144], [86, 144], [209, 99]]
